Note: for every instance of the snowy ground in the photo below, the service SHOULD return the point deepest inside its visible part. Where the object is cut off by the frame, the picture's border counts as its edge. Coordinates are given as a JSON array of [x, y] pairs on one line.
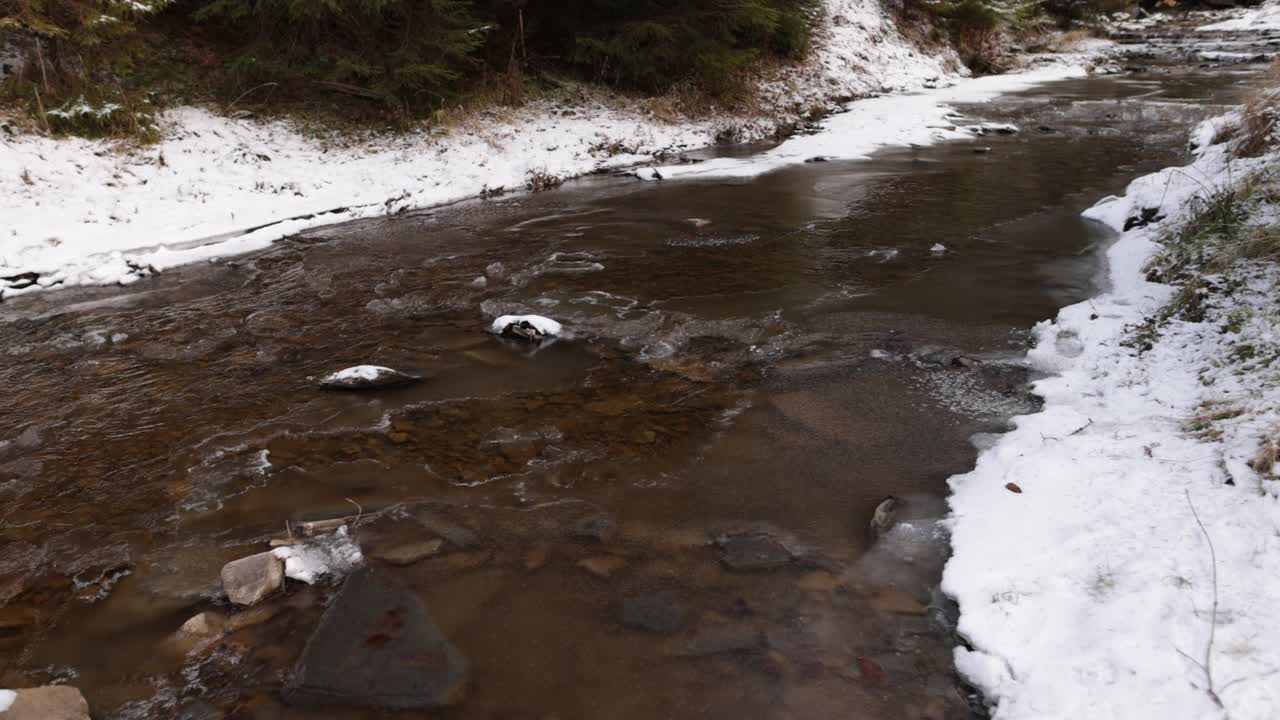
[[87, 212], [1087, 586], [1263, 17]]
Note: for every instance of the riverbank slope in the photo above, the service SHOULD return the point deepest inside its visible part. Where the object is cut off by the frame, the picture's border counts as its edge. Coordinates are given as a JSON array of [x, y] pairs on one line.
[[1118, 554], [89, 212]]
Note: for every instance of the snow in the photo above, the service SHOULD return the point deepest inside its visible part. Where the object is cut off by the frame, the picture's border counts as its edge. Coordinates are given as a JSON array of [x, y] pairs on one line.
[[1263, 17], [544, 325], [331, 555], [88, 212], [6, 699], [359, 372], [920, 118], [1092, 593]]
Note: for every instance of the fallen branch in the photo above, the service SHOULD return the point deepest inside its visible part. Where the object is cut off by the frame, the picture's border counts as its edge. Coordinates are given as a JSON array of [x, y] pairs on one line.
[[348, 89]]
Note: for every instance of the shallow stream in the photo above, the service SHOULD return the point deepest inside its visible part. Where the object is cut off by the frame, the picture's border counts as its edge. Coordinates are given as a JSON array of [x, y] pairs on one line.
[[780, 352]]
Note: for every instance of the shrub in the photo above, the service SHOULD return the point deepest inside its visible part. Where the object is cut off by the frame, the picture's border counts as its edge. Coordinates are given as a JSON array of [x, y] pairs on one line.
[[408, 54]]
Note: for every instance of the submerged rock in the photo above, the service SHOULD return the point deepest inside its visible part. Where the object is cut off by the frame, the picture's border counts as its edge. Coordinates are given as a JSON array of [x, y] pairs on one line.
[[660, 612], [530, 328], [248, 580], [600, 528], [199, 632], [757, 548], [898, 602], [377, 646], [412, 552], [367, 377], [52, 702], [720, 639]]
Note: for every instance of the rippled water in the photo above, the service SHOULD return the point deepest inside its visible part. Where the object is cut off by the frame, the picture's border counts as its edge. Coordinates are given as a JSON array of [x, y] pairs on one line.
[[776, 350]]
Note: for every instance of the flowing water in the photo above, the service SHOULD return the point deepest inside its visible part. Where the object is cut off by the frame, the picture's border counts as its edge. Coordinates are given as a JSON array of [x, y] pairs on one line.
[[780, 352]]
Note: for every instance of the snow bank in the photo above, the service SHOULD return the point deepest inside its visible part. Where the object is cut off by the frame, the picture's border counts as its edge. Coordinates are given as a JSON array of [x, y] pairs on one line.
[[332, 555], [1263, 17], [921, 118], [1092, 593], [79, 211]]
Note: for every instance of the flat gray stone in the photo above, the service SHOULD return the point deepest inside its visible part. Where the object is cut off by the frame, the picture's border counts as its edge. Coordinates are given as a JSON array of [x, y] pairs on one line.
[[377, 646]]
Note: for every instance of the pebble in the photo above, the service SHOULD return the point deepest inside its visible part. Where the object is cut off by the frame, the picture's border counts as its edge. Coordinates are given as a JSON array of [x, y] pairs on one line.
[[602, 566], [536, 556]]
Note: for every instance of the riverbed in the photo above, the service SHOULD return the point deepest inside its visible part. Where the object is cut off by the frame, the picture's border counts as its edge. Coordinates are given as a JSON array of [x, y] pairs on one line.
[[775, 354]]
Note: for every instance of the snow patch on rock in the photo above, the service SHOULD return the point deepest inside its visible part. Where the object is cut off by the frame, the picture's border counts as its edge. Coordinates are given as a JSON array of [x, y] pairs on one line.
[[333, 555], [543, 325]]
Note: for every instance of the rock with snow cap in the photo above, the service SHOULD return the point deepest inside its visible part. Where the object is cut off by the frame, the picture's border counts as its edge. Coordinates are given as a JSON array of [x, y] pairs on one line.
[[367, 377], [530, 328], [326, 556]]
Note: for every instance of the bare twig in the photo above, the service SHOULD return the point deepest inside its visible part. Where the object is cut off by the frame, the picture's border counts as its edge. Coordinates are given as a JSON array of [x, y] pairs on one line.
[[359, 511], [1207, 665], [1082, 428], [246, 92]]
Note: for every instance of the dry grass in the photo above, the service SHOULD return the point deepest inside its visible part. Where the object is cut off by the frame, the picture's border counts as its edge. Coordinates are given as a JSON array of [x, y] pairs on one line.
[[1204, 423], [1258, 121], [1268, 456]]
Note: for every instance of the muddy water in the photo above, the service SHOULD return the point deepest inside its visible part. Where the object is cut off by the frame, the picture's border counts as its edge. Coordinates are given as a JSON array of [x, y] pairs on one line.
[[780, 352]]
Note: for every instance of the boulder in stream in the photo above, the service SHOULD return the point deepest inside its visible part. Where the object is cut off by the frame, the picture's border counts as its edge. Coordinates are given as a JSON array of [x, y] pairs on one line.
[[377, 646], [367, 377], [52, 702], [248, 580]]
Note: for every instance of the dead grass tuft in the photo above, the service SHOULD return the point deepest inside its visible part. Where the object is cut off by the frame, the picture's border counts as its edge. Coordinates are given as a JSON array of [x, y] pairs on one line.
[[1258, 120], [1268, 456]]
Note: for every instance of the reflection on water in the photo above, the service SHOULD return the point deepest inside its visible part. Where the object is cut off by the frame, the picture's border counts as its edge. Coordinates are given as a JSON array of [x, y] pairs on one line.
[[781, 352]]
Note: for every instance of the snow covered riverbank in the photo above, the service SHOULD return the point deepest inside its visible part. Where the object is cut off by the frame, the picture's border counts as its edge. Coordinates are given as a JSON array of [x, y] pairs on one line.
[[79, 212], [1118, 554]]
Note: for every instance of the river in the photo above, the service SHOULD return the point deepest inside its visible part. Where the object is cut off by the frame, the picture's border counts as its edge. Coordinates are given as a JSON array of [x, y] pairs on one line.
[[780, 352]]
